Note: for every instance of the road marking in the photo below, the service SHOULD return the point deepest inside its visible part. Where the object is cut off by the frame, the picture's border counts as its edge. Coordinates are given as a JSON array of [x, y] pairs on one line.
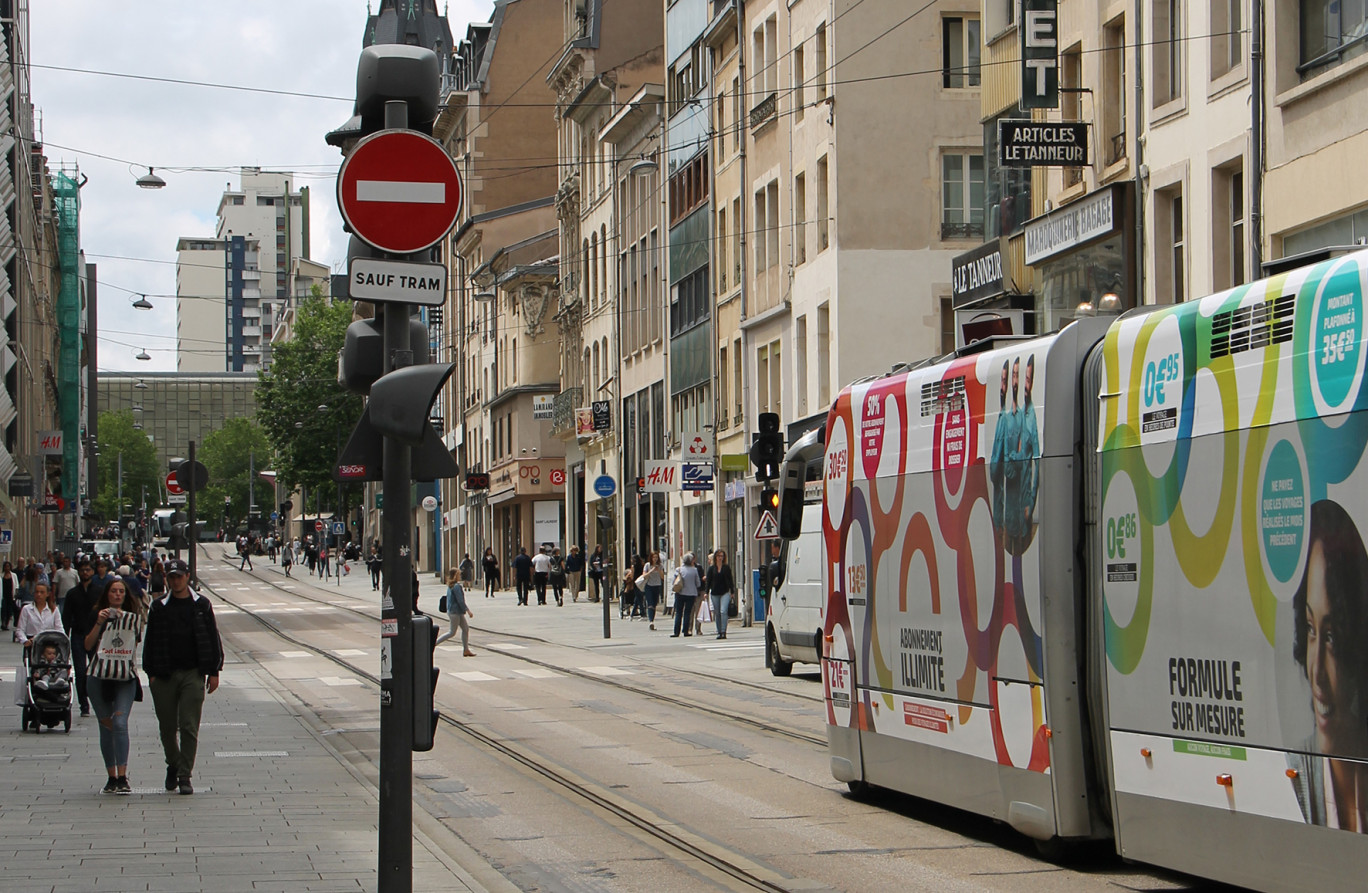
[[732, 646], [475, 676], [538, 673], [349, 652], [293, 654], [7, 675], [247, 605], [292, 610], [231, 754], [506, 646], [411, 192], [337, 680], [607, 671]]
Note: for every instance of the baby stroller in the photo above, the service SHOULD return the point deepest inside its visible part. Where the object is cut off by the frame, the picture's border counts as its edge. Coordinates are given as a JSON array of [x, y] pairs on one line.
[[48, 681]]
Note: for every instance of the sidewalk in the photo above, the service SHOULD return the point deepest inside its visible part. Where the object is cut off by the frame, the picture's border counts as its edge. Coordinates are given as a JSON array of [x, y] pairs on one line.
[[276, 807], [577, 624]]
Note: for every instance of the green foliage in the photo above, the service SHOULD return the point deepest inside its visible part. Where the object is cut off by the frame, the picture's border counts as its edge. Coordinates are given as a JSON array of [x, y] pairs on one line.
[[303, 378], [230, 454], [119, 437]]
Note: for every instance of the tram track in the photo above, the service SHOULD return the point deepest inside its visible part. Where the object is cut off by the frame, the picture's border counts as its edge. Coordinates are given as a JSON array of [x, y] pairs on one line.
[[751, 721], [728, 863]]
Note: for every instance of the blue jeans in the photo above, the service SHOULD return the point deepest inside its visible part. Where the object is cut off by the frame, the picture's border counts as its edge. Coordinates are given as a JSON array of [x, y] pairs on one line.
[[652, 599], [112, 702], [720, 605]]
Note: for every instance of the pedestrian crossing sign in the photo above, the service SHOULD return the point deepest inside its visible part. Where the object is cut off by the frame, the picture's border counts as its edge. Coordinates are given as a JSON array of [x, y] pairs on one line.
[[768, 528]]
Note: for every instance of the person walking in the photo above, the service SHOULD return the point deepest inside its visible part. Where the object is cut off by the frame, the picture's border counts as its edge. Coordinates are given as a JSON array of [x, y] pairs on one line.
[[596, 564], [721, 586], [77, 618], [38, 616], [182, 656], [245, 550], [467, 570], [574, 571], [457, 611], [541, 572], [522, 574], [654, 574], [374, 564], [115, 628], [558, 576], [685, 586], [490, 565], [324, 567], [9, 598], [63, 580]]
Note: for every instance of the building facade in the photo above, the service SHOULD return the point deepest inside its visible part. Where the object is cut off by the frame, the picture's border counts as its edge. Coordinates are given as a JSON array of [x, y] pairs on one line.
[[175, 408], [263, 229]]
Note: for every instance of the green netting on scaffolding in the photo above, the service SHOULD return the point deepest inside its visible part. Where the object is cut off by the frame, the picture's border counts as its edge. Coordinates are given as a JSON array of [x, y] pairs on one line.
[[67, 201]]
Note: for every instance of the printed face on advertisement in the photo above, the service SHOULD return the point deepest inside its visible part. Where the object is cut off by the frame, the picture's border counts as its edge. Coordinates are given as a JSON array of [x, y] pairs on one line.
[[1016, 377], [1322, 664], [1030, 375], [1002, 391]]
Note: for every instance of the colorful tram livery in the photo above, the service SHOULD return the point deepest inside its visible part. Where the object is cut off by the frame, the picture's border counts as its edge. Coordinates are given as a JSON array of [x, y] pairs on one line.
[[1112, 582]]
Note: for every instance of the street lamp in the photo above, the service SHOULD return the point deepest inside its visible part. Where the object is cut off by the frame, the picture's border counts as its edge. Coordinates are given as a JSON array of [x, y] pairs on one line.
[[150, 180], [142, 354], [142, 303]]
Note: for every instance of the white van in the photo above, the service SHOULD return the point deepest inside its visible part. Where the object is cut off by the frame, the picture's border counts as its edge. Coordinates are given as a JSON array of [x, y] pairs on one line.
[[793, 621]]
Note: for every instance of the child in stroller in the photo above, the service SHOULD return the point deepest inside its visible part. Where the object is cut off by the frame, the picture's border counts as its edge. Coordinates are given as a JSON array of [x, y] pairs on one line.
[[48, 674]]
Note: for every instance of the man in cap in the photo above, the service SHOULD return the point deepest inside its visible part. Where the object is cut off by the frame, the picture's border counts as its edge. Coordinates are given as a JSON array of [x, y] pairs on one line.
[[183, 656]]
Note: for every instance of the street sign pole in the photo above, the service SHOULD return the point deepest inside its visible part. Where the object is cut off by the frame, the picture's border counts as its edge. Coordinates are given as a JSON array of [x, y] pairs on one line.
[[396, 693]]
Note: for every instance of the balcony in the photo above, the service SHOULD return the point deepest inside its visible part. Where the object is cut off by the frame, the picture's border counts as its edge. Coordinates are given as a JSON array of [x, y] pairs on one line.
[[1118, 148], [765, 112], [971, 230], [563, 411]]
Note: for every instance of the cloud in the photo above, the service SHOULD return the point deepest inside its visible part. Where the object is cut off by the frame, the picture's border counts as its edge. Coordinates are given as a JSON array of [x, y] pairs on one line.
[[303, 46]]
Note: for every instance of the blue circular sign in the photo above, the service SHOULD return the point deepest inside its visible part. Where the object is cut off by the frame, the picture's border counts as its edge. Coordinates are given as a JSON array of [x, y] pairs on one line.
[[275, 516], [605, 486]]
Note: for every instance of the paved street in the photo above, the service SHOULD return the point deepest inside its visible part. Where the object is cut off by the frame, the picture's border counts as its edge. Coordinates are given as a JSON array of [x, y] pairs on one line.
[[274, 808]]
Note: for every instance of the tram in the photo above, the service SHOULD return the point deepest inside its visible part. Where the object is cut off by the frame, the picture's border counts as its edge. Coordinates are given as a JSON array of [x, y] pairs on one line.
[[1111, 583]]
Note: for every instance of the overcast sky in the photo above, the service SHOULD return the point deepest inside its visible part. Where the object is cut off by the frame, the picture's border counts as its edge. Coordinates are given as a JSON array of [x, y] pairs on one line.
[[295, 46]]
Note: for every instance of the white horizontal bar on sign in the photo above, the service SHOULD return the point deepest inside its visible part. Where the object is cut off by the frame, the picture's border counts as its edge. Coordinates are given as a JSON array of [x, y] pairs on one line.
[[406, 192]]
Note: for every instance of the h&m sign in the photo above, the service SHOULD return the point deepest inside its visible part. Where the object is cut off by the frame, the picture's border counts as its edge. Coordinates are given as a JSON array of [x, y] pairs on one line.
[[1039, 54]]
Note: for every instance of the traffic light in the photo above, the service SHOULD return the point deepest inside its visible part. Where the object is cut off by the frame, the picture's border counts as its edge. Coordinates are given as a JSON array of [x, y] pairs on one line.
[[425, 714], [769, 499], [767, 447]]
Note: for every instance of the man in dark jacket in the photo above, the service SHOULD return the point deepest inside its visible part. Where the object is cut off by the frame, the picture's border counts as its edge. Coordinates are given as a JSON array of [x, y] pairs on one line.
[[182, 655], [522, 574], [78, 614]]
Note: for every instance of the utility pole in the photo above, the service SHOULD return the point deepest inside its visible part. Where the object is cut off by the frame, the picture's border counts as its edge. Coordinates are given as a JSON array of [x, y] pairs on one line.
[[192, 529], [118, 512], [251, 488]]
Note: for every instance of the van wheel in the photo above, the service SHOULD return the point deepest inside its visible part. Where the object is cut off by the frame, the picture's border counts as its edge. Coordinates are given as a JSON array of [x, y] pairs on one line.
[[778, 666]]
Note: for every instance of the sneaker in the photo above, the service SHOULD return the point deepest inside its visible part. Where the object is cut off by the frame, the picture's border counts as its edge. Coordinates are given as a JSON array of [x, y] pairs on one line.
[[172, 779], [123, 786], [85, 711], [652, 627], [111, 786], [185, 785]]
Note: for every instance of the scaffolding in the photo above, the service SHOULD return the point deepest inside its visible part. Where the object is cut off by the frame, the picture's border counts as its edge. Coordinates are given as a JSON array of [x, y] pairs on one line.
[[66, 190]]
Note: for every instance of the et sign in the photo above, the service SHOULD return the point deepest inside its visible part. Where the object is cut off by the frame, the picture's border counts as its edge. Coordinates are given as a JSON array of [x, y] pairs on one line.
[[1039, 54]]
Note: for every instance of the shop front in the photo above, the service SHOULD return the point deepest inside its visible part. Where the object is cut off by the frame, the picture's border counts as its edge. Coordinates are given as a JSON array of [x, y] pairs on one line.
[[1084, 257]]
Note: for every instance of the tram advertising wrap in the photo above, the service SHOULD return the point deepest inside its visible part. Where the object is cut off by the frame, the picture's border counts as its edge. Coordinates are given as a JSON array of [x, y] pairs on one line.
[[1234, 506], [1112, 582]]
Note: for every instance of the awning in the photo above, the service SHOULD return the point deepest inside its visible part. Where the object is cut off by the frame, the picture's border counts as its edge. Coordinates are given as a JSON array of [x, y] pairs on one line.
[[323, 517]]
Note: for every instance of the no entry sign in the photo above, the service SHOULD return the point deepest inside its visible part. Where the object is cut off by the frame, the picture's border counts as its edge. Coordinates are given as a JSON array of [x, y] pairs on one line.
[[172, 485], [399, 191]]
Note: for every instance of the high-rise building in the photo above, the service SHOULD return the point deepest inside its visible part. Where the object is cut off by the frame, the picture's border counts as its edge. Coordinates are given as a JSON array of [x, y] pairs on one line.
[[263, 228]]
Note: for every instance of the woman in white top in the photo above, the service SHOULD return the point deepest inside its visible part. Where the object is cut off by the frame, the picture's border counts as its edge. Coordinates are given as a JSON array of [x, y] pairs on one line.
[[35, 617]]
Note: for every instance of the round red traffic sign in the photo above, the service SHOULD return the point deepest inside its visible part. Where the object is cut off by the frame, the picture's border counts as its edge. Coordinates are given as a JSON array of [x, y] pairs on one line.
[[399, 191], [172, 486], [318, 526]]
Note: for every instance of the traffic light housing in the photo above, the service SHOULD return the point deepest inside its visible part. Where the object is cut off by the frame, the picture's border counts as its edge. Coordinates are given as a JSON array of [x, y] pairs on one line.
[[425, 713], [767, 447], [401, 402], [769, 499]]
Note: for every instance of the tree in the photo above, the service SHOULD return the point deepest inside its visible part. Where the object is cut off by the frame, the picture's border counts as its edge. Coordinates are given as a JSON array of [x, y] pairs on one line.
[[231, 455], [118, 438], [300, 405]]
